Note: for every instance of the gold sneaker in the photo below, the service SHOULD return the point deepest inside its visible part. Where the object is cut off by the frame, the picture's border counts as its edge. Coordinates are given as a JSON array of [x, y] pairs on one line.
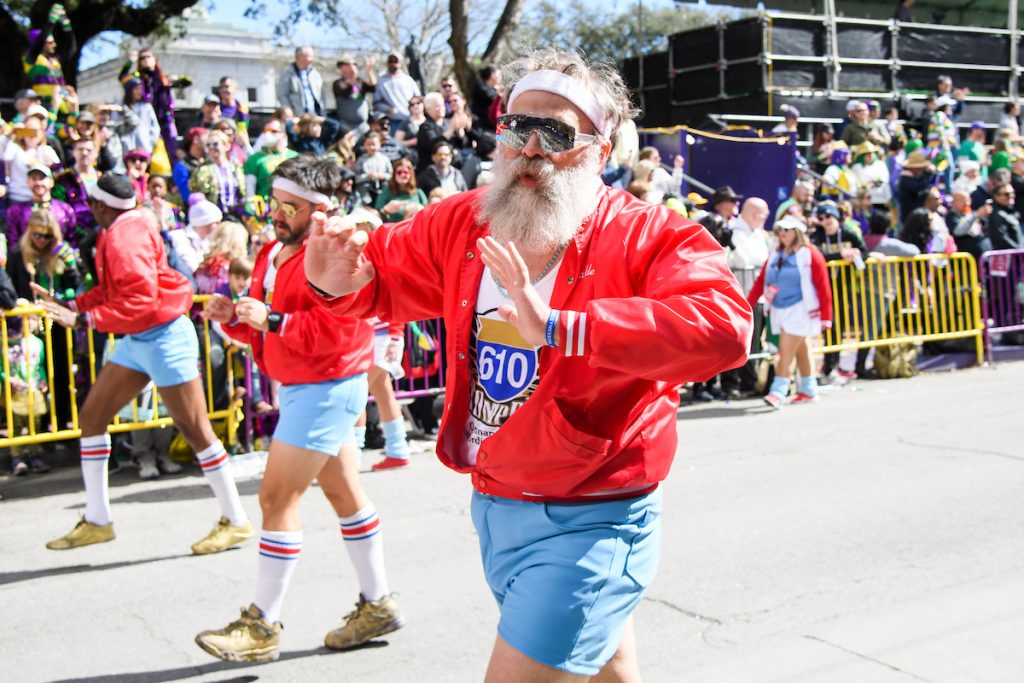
[[223, 536], [84, 533], [248, 639], [370, 619]]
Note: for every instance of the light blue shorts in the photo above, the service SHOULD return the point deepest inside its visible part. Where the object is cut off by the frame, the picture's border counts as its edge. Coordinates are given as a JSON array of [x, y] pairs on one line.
[[568, 575], [168, 353], [321, 417]]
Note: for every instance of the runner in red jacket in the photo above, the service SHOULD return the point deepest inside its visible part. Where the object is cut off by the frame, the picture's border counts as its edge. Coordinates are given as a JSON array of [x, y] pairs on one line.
[[573, 313], [140, 296], [321, 361]]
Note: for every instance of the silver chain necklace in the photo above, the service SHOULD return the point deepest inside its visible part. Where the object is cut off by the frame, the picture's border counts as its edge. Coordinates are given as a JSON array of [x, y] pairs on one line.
[[543, 273]]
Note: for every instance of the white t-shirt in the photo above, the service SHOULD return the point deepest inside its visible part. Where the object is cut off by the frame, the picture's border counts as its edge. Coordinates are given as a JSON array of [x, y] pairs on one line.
[[503, 367], [271, 275]]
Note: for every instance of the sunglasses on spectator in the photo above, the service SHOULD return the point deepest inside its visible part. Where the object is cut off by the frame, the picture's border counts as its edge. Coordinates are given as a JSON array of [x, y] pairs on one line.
[[404, 171], [514, 131], [414, 102], [211, 145], [42, 235], [446, 85], [287, 210]]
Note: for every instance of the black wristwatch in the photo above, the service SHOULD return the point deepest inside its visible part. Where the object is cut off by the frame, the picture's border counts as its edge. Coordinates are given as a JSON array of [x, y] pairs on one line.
[[274, 320]]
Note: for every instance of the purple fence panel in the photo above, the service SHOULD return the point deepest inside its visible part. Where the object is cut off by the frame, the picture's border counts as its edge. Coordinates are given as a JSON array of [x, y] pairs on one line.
[[1002, 281]]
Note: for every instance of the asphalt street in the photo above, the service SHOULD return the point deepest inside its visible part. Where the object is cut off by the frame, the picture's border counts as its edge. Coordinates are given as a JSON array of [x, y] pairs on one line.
[[875, 536]]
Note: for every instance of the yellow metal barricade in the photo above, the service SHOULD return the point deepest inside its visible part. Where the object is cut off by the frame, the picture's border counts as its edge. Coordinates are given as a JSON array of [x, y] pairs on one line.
[[916, 299], [30, 411]]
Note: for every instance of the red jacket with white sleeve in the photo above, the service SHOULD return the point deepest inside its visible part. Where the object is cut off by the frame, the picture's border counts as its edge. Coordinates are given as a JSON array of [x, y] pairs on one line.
[[312, 344], [648, 302], [814, 283], [136, 289]]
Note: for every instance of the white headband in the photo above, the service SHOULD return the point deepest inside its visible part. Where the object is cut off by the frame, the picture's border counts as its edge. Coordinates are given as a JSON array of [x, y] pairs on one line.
[[290, 187], [570, 88], [99, 194]]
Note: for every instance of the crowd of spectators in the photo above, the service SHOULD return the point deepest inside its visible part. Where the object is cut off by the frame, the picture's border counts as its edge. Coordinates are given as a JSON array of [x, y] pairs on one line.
[[207, 186]]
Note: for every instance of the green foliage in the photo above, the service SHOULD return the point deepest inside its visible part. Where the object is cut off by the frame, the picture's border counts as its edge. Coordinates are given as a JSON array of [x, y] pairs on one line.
[[611, 36]]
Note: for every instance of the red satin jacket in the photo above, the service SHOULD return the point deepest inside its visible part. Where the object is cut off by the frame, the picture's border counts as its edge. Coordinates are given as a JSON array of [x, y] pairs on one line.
[[647, 303], [136, 289], [311, 345]]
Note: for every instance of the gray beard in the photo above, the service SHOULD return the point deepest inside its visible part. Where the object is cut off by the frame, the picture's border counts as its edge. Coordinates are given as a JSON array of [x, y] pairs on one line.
[[540, 218]]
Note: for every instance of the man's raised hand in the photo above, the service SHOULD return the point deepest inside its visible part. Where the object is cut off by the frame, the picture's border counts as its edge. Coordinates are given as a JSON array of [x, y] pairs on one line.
[[219, 309], [334, 255], [529, 313]]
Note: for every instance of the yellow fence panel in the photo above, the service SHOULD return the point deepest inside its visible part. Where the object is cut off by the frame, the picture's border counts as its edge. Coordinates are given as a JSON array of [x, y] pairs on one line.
[[916, 299], [30, 413]]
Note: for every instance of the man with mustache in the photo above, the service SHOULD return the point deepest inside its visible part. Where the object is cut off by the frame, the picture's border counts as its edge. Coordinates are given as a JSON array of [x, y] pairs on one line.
[[321, 361], [574, 312]]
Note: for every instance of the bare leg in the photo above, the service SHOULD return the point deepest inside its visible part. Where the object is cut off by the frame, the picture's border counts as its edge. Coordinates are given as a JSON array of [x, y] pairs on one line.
[[509, 665], [339, 480], [114, 387], [186, 404], [622, 667], [290, 471], [383, 392], [788, 344], [803, 358]]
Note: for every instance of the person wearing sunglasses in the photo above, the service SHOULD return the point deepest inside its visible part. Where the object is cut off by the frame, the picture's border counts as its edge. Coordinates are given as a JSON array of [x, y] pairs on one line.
[[140, 296], [794, 285], [574, 311], [321, 361]]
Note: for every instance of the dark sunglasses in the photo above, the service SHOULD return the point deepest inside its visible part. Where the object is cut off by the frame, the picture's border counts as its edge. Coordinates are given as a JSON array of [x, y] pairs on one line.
[[42, 235], [514, 131]]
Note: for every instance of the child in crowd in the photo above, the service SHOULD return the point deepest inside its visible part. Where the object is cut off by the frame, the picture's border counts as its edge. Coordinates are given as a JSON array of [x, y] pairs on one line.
[[373, 169], [25, 358], [236, 286]]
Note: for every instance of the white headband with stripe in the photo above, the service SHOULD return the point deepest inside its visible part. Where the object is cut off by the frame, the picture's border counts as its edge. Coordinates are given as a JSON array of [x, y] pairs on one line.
[[101, 195], [294, 188], [572, 89]]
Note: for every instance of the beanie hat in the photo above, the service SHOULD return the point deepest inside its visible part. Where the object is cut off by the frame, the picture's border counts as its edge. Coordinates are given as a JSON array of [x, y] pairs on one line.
[[202, 211]]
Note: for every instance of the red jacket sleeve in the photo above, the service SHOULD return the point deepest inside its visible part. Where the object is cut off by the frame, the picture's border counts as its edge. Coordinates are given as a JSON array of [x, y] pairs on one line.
[[308, 332], [240, 332], [688, 319], [131, 270], [758, 288], [822, 286]]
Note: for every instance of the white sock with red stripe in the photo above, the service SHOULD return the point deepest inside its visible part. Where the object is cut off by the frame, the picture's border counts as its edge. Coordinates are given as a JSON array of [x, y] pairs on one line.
[[365, 545], [279, 553], [217, 469], [95, 452]]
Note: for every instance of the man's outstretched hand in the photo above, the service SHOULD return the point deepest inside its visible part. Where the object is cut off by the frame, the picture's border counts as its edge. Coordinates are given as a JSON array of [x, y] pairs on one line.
[[529, 313], [334, 255]]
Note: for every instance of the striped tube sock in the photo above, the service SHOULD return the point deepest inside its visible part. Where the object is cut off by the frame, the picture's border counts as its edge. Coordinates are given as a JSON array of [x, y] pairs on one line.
[[365, 545], [95, 452], [217, 469], [279, 553], [395, 445]]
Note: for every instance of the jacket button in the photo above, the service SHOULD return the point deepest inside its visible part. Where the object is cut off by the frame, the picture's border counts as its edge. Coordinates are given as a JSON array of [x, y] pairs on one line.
[[482, 484], [469, 254], [464, 303], [461, 356], [570, 279]]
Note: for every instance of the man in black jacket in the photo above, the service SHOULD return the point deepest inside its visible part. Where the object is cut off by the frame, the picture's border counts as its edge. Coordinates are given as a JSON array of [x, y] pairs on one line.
[[1003, 224]]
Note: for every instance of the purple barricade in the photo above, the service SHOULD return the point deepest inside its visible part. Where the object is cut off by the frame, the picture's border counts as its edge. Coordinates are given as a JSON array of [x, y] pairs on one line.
[[1002, 281]]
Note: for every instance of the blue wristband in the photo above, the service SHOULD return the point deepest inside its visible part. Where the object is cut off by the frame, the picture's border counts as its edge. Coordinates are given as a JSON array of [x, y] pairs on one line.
[[549, 331]]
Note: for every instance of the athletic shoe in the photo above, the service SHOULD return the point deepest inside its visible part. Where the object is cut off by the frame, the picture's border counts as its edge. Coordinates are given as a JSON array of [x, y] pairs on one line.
[[223, 536], [84, 533], [390, 463], [803, 398], [36, 464], [166, 465], [846, 374], [147, 467], [774, 400], [370, 619], [250, 638], [19, 467]]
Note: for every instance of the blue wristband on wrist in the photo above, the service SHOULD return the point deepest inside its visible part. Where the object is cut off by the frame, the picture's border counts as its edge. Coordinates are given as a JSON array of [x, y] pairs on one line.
[[549, 331]]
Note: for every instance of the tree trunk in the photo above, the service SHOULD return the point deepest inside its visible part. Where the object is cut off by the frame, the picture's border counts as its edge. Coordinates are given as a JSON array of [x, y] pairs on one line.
[[498, 44], [459, 39]]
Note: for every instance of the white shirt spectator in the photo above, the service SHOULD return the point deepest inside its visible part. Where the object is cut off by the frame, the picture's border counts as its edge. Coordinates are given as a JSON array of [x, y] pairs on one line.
[[394, 92], [18, 160]]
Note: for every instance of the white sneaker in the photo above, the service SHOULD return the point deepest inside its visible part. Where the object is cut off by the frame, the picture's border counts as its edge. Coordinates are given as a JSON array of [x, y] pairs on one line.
[[147, 467], [166, 465]]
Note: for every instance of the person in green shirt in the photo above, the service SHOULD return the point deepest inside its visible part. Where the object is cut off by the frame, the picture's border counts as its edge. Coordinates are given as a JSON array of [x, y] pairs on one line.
[[401, 198], [260, 165]]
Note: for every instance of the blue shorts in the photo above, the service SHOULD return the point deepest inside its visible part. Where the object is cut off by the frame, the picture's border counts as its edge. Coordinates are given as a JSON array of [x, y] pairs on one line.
[[321, 417], [568, 575], [168, 353]]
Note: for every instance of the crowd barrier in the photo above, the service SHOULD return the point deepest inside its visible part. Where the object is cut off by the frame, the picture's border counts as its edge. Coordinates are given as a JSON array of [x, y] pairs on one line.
[[916, 299], [31, 413], [1002, 281]]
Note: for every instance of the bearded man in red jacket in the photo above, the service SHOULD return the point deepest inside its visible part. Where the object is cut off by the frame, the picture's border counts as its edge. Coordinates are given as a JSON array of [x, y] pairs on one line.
[[140, 296], [574, 312]]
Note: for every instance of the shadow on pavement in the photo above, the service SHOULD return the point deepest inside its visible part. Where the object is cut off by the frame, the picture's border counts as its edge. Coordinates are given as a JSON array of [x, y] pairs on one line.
[[185, 672], [192, 486], [15, 577], [701, 411], [174, 493]]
